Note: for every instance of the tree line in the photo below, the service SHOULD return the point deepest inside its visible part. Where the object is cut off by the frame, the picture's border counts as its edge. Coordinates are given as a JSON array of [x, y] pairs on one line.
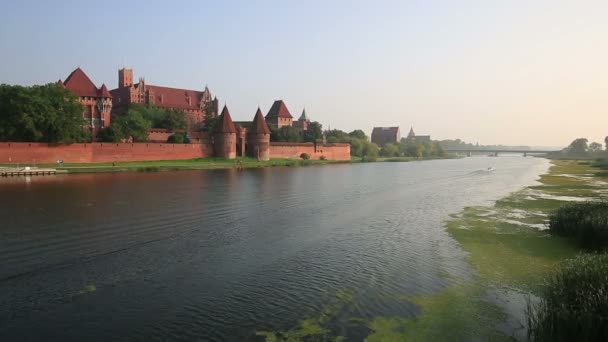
[[582, 148], [137, 121], [42, 113]]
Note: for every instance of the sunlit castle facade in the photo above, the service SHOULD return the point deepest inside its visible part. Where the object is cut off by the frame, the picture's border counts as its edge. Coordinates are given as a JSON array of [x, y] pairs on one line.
[[196, 104], [96, 102]]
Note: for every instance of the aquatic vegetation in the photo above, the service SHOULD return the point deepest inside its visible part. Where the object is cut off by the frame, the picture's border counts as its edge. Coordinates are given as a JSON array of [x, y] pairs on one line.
[[457, 313], [87, 289], [586, 223], [574, 303], [314, 328], [509, 248]]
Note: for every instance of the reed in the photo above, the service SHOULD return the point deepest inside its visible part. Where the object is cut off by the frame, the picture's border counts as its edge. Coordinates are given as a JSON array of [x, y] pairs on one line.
[[586, 223], [573, 305]]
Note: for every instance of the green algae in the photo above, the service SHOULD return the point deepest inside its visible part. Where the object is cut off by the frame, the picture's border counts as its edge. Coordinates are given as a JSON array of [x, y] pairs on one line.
[[314, 328], [505, 248], [507, 254], [456, 313]]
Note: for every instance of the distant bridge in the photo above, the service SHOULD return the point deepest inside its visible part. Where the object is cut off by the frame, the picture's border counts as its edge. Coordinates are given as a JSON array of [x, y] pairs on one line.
[[495, 152]]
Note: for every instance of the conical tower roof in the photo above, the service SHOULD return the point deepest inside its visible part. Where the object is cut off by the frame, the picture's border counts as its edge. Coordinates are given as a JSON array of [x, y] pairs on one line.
[[259, 125], [411, 134], [225, 124], [304, 116], [103, 91]]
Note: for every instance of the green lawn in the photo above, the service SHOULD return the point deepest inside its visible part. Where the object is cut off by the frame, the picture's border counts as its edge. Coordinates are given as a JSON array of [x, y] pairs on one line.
[[172, 165]]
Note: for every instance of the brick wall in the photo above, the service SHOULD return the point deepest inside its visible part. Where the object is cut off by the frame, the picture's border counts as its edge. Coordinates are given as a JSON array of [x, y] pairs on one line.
[[99, 152], [294, 150], [109, 152]]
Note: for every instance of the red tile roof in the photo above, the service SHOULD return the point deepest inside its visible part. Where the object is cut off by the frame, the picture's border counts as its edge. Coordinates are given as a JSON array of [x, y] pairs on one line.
[[225, 124], [103, 92], [259, 125], [80, 84], [175, 98], [279, 109]]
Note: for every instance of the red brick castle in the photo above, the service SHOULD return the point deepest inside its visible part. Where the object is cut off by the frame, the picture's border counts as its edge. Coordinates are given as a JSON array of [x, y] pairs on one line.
[[196, 104]]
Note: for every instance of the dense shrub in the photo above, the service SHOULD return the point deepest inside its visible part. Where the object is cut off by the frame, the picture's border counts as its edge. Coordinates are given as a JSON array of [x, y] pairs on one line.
[[574, 304], [179, 138], [304, 156], [585, 222]]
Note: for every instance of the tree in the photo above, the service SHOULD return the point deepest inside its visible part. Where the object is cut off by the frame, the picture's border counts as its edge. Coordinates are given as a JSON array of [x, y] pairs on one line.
[[390, 150], [369, 149], [47, 113], [606, 142], [595, 147], [338, 136], [211, 120], [174, 119], [130, 125], [358, 134], [179, 138], [577, 147], [314, 132], [284, 134]]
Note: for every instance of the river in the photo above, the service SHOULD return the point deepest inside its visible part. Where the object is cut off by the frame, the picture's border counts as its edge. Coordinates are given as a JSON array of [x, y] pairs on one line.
[[216, 255]]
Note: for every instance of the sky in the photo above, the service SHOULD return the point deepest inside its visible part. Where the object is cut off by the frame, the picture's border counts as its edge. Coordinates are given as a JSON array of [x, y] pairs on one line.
[[494, 72]]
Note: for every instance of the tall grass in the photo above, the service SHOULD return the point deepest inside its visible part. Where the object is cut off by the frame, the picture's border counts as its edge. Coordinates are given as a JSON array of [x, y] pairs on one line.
[[600, 163], [574, 304], [586, 222]]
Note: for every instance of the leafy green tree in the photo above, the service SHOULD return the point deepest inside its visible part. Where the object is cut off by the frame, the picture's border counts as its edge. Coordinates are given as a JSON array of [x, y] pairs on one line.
[[171, 119], [130, 125], [211, 120], [358, 134], [314, 132], [47, 113], [338, 136], [369, 149], [606, 142], [595, 147], [179, 138], [577, 147], [174, 120], [390, 150], [284, 134]]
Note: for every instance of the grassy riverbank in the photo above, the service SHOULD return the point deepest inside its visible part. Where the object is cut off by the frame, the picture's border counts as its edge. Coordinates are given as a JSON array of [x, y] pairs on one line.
[[202, 164], [176, 165], [511, 253]]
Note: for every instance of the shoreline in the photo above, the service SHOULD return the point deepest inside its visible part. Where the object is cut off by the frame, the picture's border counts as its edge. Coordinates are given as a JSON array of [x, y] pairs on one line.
[[511, 251], [206, 164]]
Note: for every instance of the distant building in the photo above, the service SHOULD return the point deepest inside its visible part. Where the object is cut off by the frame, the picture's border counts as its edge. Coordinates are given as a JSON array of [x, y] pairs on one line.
[[411, 136], [303, 122], [382, 136], [279, 115], [196, 104], [96, 102]]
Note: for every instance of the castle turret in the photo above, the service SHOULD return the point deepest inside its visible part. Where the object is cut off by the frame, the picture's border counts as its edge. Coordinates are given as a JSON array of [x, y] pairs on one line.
[[125, 77], [258, 138], [224, 136]]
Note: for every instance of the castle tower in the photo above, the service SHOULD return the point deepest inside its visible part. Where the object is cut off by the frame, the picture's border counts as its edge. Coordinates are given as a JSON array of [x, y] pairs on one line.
[[258, 138], [224, 136], [125, 77]]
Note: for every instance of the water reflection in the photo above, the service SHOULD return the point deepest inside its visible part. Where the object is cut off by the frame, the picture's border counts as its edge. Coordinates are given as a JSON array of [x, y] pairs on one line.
[[214, 255]]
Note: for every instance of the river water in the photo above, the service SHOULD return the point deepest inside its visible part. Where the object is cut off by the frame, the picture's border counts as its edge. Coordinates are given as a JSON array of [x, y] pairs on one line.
[[216, 255]]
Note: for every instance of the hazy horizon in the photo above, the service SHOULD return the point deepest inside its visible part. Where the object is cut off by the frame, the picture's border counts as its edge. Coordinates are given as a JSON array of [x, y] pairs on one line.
[[516, 73]]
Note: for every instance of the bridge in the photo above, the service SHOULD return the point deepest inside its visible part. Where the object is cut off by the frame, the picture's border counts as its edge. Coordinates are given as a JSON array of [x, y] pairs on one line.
[[495, 152]]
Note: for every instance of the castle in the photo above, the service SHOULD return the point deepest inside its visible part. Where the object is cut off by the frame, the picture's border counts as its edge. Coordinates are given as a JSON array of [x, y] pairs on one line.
[[227, 140], [196, 104]]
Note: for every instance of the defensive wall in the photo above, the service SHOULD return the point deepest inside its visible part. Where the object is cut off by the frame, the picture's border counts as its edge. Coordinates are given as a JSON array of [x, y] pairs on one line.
[[23, 152], [315, 151]]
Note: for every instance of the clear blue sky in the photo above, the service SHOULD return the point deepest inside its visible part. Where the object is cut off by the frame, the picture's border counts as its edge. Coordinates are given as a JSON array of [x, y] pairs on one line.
[[529, 72]]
